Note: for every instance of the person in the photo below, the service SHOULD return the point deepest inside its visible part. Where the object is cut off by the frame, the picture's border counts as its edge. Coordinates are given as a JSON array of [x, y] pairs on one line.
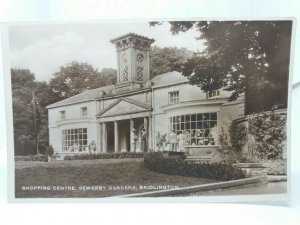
[[133, 139], [180, 139], [187, 138], [173, 140], [92, 147], [143, 140]]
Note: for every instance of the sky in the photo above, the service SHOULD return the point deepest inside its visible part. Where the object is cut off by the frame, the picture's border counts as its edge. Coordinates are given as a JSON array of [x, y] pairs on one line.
[[43, 48]]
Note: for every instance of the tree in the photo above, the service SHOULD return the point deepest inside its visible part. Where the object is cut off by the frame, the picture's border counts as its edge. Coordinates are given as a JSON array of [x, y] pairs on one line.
[[167, 59], [22, 84], [75, 77], [250, 57]]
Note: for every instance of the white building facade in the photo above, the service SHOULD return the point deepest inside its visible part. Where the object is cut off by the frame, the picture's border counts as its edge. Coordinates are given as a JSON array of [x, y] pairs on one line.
[[105, 117]]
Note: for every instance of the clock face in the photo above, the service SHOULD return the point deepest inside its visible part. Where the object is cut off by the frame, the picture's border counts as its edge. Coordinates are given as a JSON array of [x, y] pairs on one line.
[[139, 57]]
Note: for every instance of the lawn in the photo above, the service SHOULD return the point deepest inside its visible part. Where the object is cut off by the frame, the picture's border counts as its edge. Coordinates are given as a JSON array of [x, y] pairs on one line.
[[92, 178]]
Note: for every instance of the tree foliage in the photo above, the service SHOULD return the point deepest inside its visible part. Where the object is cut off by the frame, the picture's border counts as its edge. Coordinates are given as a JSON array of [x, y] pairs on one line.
[[75, 77], [250, 57], [167, 59], [79, 77]]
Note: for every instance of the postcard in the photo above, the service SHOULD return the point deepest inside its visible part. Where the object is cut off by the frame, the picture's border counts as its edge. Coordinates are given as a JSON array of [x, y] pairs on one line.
[[156, 110]]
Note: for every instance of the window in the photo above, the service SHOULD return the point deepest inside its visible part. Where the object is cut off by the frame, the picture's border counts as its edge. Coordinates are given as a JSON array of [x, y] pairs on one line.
[[214, 94], [74, 140], [173, 97], [62, 115], [198, 129], [83, 111]]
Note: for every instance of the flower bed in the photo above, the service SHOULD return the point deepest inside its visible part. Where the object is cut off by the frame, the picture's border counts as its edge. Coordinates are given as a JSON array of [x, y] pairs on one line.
[[39, 158], [218, 171], [105, 156]]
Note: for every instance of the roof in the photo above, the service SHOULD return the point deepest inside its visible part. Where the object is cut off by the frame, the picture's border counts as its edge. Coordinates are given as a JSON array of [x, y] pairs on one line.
[[82, 97], [158, 81], [168, 78], [131, 35]]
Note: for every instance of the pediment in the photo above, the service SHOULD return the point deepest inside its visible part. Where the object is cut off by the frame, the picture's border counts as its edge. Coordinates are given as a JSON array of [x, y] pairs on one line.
[[124, 106]]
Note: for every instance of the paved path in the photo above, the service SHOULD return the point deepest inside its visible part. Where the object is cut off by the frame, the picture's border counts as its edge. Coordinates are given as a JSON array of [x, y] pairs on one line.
[[252, 189]]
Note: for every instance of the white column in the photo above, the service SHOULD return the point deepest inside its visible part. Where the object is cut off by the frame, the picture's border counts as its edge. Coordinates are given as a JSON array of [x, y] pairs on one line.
[[131, 127], [147, 132], [150, 139], [98, 139], [116, 130], [104, 138]]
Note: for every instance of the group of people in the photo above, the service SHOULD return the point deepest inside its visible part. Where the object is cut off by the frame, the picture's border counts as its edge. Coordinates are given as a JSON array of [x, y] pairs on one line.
[[143, 140], [177, 142]]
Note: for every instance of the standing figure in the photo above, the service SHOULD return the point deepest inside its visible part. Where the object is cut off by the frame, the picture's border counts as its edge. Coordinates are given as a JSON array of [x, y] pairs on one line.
[[158, 141], [143, 141], [173, 140], [181, 140], [92, 147], [133, 139], [164, 141]]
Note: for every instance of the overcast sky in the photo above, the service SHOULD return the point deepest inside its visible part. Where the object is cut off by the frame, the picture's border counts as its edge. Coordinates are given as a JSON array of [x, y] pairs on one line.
[[44, 48]]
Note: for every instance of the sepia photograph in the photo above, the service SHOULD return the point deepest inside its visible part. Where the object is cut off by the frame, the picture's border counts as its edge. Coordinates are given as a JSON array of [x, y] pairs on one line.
[[136, 109]]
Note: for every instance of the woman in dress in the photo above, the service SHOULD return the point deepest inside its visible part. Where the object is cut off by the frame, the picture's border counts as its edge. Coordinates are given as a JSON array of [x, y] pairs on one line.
[[143, 141], [180, 139]]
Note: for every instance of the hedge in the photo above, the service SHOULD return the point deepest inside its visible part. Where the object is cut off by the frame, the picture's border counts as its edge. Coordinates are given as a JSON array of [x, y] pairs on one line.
[[39, 158], [105, 156], [217, 171]]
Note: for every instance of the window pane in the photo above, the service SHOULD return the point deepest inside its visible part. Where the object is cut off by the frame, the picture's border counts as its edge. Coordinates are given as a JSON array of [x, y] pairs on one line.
[[213, 116], [193, 125], [205, 116], [213, 124], [199, 116], [193, 117], [187, 126], [187, 118]]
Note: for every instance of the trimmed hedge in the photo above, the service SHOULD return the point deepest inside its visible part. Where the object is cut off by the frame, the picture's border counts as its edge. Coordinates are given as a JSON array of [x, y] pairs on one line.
[[217, 171], [39, 158], [106, 156]]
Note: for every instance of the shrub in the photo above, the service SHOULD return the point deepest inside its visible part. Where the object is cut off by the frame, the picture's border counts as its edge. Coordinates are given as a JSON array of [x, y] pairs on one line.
[[217, 171], [269, 132], [105, 156], [39, 158], [238, 134]]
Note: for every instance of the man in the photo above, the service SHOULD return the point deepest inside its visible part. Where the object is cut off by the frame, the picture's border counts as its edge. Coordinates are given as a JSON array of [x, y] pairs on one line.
[[133, 139]]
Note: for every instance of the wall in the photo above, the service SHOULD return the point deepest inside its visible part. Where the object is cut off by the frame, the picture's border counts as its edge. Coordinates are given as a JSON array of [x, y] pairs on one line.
[[73, 120]]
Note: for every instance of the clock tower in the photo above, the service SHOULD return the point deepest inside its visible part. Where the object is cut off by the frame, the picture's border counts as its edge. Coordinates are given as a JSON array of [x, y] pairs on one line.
[[133, 61]]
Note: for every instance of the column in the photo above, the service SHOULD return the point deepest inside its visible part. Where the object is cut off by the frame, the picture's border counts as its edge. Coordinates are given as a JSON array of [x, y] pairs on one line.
[[131, 138], [150, 140], [98, 140], [116, 130], [147, 132], [104, 138], [146, 124]]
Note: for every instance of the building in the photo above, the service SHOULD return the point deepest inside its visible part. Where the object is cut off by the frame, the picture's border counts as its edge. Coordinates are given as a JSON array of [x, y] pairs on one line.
[[101, 120]]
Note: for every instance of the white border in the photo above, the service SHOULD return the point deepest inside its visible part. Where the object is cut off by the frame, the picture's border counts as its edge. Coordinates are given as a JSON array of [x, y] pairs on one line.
[[233, 214]]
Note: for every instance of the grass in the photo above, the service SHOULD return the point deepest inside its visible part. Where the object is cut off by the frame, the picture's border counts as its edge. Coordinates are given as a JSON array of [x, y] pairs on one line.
[[112, 174]]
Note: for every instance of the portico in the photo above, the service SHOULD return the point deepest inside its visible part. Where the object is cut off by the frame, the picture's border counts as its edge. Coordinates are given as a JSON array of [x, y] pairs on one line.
[[116, 122]]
